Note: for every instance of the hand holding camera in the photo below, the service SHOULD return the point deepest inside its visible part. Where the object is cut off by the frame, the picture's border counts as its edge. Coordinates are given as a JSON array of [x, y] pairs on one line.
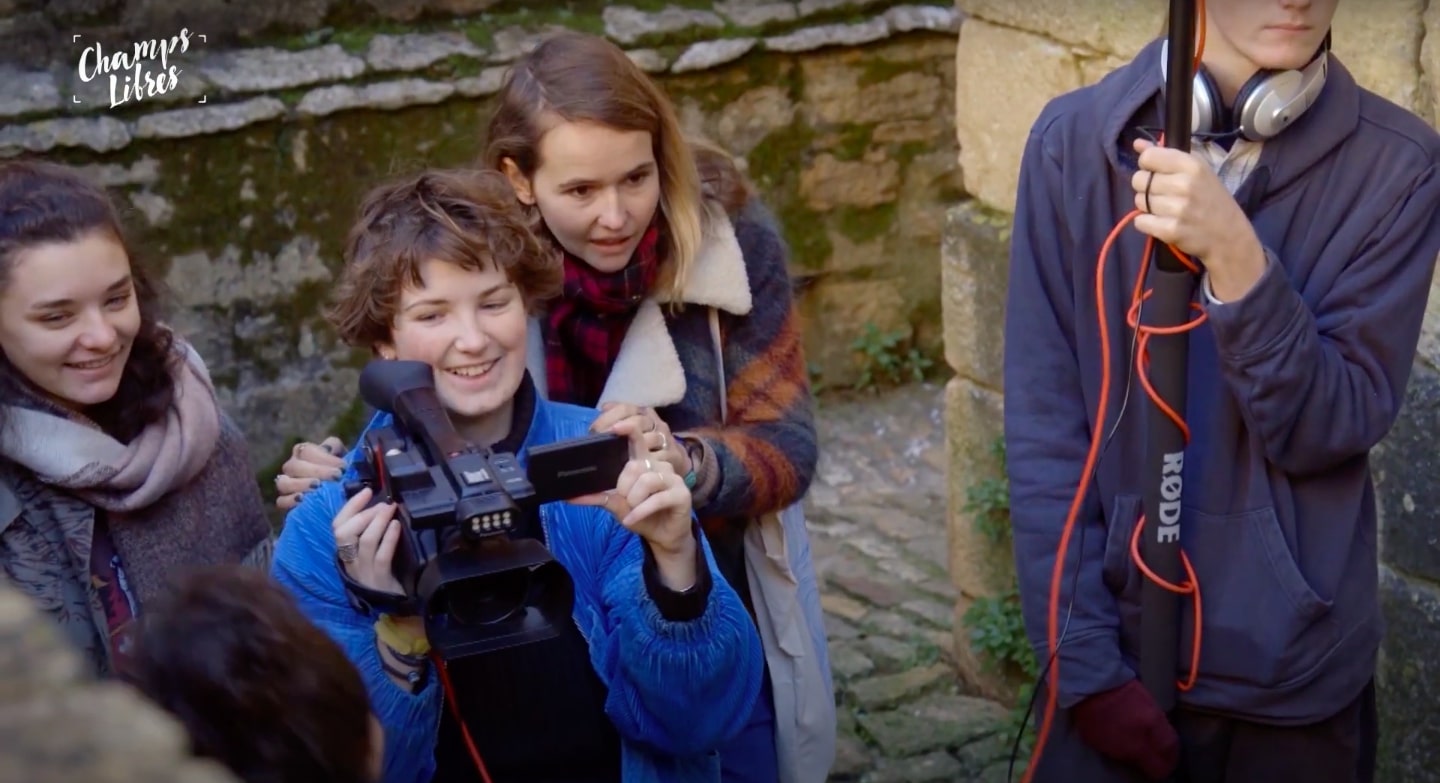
[[653, 502], [647, 432], [365, 541]]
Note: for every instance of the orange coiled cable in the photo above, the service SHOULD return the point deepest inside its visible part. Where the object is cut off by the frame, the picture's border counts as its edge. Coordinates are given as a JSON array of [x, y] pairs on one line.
[[1142, 363]]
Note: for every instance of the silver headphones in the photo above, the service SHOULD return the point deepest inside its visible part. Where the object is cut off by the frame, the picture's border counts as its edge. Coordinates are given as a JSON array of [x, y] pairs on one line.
[[1266, 104]]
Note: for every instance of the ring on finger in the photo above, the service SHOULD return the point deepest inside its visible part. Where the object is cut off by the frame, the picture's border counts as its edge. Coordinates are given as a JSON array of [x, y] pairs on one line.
[[348, 552], [664, 443]]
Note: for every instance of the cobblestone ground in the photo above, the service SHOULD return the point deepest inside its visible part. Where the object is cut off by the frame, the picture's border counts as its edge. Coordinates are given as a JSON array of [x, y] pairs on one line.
[[877, 518]]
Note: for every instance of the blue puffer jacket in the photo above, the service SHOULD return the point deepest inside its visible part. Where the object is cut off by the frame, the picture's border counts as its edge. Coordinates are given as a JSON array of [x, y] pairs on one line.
[[677, 690]]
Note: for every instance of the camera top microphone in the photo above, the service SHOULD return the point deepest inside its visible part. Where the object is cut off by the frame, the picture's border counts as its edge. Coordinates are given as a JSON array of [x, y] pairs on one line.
[[406, 389]]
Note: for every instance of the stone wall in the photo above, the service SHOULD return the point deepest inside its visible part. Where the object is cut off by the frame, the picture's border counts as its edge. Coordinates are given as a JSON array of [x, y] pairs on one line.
[[244, 175], [1063, 46]]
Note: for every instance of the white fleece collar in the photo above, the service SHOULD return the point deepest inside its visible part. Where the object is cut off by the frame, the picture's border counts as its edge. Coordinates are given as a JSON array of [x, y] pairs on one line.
[[717, 278], [647, 371]]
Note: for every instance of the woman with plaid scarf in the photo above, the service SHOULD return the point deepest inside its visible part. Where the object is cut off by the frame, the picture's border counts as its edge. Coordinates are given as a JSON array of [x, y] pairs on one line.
[[677, 321]]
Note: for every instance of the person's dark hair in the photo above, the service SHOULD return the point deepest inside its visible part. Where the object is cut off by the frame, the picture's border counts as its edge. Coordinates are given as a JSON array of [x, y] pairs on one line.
[[43, 203], [465, 217], [260, 688]]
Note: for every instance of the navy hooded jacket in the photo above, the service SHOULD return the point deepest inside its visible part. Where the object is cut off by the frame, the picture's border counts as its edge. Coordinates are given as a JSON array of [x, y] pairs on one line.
[[1288, 390]]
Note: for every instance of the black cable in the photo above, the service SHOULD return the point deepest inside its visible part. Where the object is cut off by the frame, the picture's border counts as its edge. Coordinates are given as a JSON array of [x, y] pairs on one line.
[[1080, 548]]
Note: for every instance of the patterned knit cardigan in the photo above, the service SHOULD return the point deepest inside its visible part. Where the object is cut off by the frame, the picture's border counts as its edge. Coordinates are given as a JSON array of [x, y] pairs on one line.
[[760, 460]]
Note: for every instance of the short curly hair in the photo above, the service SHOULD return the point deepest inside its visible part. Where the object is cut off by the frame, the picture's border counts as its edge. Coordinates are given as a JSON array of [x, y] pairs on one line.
[[465, 217]]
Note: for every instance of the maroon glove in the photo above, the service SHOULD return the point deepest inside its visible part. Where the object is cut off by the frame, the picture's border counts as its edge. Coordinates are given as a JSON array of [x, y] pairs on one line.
[[1128, 726]]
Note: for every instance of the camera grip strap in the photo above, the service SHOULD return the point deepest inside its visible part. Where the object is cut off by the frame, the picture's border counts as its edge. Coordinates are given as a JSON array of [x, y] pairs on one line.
[[371, 602]]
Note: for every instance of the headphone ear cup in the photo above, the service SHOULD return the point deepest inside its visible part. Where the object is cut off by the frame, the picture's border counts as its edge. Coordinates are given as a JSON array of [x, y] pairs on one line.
[[1250, 91], [1207, 110]]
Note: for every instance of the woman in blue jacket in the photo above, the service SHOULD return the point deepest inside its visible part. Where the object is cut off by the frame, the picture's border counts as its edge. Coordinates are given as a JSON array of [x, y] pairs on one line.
[[661, 663]]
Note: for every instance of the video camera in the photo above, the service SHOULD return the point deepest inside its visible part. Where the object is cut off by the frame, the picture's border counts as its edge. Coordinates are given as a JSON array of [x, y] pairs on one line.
[[470, 557]]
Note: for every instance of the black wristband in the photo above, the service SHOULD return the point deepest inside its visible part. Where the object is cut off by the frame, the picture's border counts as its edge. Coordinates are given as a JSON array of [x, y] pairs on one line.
[[679, 606], [416, 676]]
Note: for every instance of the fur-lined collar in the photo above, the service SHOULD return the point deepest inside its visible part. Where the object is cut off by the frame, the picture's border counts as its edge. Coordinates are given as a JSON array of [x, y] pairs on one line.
[[717, 278], [647, 371]]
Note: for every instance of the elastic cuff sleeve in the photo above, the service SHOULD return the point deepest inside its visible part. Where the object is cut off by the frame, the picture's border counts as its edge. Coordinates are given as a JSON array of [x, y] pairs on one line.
[[673, 605]]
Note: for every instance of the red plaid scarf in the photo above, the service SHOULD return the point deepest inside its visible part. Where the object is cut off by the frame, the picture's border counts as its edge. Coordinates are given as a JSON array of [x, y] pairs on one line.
[[585, 326]]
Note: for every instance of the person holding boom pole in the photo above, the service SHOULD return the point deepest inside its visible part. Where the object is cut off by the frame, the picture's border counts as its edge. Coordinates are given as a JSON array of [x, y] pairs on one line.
[[1308, 209]]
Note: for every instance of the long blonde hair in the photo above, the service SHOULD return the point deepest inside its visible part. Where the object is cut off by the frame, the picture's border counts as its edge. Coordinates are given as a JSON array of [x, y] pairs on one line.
[[578, 77]]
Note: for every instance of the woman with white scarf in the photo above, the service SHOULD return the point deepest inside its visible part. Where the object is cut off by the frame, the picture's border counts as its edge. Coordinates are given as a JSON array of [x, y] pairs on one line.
[[117, 466]]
